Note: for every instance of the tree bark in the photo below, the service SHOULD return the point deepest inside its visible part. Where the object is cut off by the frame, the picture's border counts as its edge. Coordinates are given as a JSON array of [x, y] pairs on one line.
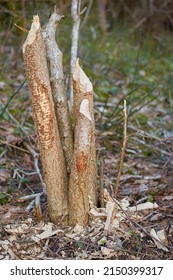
[[102, 15], [82, 186], [82, 85], [75, 36], [54, 57], [52, 157]]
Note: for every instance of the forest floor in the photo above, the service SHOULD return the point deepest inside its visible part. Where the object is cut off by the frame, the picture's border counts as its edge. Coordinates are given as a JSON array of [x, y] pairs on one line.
[[138, 224], [126, 228]]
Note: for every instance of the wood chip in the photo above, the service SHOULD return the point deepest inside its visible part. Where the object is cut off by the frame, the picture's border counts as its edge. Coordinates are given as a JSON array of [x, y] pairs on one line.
[[110, 210], [160, 237], [45, 235], [96, 214], [143, 206]]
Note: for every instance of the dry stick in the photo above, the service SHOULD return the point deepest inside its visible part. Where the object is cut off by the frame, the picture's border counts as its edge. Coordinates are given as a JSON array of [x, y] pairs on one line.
[[142, 228], [87, 13], [12, 118], [154, 148], [21, 28], [55, 57], [11, 97], [13, 146], [3, 153], [145, 134], [122, 152], [30, 206], [36, 157], [127, 177], [36, 202], [139, 23], [17, 170], [28, 197], [37, 208], [101, 190]]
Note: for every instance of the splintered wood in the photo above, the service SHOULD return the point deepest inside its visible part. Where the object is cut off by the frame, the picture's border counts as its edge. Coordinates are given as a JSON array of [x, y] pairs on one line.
[[82, 187]]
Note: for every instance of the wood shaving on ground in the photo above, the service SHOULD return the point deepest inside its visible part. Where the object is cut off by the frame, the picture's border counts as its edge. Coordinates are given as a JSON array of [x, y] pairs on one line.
[[104, 238]]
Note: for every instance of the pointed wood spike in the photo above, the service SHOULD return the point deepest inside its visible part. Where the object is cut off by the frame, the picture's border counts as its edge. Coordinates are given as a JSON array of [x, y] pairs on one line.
[[80, 76], [32, 33]]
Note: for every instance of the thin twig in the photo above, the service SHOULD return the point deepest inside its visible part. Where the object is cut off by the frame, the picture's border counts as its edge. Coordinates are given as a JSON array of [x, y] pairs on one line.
[[3, 153], [35, 157], [30, 206], [147, 178], [17, 170], [11, 97], [122, 152], [141, 199], [12, 118], [102, 204], [35, 203], [13, 146], [21, 28], [148, 135], [139, 23], [87, 13], [158, 151], [117, 109], [28, 197]]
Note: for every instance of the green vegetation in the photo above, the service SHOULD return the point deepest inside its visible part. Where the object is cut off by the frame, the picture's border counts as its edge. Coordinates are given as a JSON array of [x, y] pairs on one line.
[[136, 65], [4, 198]]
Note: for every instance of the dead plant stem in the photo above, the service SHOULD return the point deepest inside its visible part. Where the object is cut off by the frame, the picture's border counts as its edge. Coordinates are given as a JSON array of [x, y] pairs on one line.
[[122, 152]]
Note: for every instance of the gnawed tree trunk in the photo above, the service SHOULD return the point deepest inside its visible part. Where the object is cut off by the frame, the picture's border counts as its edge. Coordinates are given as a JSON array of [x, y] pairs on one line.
[[79, 192], [82, 186], [54, 57], [52, 157], [80, 85]]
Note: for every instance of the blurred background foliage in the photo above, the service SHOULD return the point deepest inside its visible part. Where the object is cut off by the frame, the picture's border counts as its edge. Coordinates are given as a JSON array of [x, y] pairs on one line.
[[125, 47]]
